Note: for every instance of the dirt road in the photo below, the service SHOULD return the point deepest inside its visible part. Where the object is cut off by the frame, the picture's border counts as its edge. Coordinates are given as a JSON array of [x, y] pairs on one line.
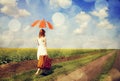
[[10, 69], [114, 73], [88, 72]]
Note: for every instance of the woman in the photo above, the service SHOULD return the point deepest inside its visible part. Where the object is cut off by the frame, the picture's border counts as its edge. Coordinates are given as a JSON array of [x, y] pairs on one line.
[[42, 55]]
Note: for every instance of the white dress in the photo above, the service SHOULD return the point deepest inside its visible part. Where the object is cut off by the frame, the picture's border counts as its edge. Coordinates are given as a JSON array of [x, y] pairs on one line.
[[42, 49]]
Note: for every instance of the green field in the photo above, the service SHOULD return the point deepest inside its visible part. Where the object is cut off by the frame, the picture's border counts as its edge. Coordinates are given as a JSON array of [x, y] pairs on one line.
[[8, 55]]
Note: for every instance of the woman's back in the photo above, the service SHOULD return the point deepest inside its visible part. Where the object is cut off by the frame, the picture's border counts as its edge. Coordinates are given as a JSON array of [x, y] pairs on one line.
[[41, 41], [42, 49]]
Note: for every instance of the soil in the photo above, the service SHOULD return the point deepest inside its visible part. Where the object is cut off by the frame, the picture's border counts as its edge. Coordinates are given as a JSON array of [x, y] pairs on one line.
[[85, 73], [115, 71], [10, 69], [117, 61], [88, 72]]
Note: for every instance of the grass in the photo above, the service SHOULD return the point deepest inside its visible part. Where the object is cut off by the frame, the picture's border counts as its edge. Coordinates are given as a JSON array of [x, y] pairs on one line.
[[57, 69], [16, 54], [8, 55]]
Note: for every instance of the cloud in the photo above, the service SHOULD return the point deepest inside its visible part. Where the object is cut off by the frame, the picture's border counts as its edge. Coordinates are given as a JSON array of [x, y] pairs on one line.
[[100, 4], [14, 25], [95, 42], [3, 22], [58, 18], [81, 29], [5, 38], [23, 12], [82, 19], [74, 9], [9, 3], [65, 3], [26, 28], [101, 14], [105, 24], [73, 27], [57, 42], [61, 3], [11, 9], [18, 38], [102, 18], [23, 43], [28, 2], [94, 27]]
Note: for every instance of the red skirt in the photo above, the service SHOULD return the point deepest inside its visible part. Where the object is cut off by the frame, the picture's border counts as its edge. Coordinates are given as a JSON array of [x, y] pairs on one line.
[[44, 62]]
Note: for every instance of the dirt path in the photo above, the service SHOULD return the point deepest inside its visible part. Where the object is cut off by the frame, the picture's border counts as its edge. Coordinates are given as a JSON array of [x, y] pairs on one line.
[[115, 71], [10, 69], [117, 61], [88, 72]]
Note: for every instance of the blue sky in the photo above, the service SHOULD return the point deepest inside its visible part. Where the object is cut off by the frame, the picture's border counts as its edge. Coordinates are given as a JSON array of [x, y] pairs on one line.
[[77, 23]]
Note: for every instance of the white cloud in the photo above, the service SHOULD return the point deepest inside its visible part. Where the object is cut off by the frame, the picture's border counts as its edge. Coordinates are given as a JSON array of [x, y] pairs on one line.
[[3, 21], [14, 25], [58, 18], [95, 42], [28, 2], [96, 30], [65, 3], [20, 38], [60, 3], [100, 4], [54, 3], [89, 26], [82, 20], [101, 14], [74, 9], [6, 38], [9, 3], [57, 42], [23, 12], [81, 29], [82, 17], [26, 28], [11, 9], [102, 18], [105, 24], [24, 43]]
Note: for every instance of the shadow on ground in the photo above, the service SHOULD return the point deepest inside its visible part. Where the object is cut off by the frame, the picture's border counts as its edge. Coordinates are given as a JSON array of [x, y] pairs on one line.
[[48, 72]]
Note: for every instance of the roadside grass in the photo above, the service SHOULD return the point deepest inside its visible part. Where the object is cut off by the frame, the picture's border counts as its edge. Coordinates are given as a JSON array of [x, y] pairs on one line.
[[106, 68], [56, 70], [8, 55]]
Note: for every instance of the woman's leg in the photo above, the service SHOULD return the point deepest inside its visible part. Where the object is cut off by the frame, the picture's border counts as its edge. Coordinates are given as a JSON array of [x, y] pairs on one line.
[[37, 71], [39, 65]]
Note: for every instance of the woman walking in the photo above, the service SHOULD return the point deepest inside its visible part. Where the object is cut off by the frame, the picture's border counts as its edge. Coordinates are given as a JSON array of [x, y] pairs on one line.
[[42, 56]]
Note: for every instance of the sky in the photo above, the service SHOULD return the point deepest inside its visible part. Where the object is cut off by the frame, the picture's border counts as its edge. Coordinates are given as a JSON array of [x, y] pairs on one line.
[[77, 23]]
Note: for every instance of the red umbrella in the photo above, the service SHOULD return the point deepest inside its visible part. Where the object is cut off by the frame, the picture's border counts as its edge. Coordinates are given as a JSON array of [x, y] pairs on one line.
[[42, 24]]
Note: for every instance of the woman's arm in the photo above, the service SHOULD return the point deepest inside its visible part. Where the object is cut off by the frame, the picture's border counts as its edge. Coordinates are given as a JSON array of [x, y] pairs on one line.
[[45, 42], [38, 56], [37, 42]]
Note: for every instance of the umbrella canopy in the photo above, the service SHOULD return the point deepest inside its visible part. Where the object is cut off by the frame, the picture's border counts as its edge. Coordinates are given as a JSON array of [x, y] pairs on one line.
[[42, 24]]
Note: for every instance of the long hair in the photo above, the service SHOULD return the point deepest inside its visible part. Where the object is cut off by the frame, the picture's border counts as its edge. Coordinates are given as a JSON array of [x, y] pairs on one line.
[[42, 33]]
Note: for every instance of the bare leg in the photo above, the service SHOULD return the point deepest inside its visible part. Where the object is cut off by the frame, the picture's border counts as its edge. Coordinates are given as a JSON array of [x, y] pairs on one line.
[[37, 71]]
